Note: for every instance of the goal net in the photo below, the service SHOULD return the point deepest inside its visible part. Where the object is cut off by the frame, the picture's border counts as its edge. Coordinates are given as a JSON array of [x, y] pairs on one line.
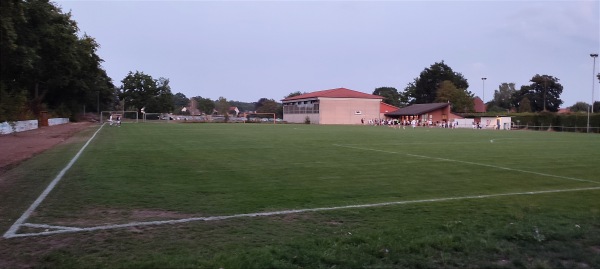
[[124, 116], [153, 117]]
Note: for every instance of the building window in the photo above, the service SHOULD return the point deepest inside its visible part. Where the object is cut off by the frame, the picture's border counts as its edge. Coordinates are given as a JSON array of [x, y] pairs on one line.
[[302, 107]]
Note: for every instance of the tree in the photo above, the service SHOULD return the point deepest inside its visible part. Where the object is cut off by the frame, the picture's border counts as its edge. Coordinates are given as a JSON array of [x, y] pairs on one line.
[[43, 56], [265, 105], [390, 95], [205, 105], [406, 97], [242, 106], [503, 96], [296, 93], [524, 105], [165, 96], [180, 100], [580, 107], [461, 100], [222, 106], [543, 93], [140, 90], [425, 87]]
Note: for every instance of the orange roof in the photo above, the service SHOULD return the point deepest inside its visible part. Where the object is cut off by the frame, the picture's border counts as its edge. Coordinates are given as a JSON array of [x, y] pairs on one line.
[[387, 108], [334, 93]]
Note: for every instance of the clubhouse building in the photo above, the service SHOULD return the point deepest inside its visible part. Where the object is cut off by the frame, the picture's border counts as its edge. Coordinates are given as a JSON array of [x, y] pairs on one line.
[[345, 106], [334, 106]]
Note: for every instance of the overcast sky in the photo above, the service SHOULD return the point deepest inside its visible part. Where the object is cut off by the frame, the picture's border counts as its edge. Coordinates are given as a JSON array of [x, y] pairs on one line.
[[247, 50]]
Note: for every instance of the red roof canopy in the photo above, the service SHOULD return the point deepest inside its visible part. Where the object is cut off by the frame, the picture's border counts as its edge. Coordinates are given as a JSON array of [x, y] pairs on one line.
[[387, 108]]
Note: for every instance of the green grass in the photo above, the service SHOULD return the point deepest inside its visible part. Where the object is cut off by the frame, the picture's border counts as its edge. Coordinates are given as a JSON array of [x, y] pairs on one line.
[[172, 171]]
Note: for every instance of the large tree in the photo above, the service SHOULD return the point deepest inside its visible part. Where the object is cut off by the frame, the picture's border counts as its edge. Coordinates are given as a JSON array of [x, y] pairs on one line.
[[407, 96], [503, 96], [543, 93], [524, 105], [140, 90], [222, 106], [461, 100], [180, 100], [43, 56], [205, 105], [580, 107], [424, 89], [390, 95], [265, 105]]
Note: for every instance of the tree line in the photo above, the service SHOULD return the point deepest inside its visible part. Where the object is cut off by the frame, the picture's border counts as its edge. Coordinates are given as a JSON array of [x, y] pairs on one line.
[[439, 83], [46, 66]]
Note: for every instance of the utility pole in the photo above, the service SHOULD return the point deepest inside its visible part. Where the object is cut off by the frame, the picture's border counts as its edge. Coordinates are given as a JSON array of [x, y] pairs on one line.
[[483, 88], [591, 108]]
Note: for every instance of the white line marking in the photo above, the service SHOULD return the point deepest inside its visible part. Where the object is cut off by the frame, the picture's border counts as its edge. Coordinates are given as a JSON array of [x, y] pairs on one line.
[[46, 226], [13, 229], [285, 212], [471, 163]]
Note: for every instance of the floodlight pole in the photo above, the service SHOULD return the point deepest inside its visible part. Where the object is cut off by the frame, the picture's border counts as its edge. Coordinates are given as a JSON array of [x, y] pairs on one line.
[[591, 108], [483, 89]]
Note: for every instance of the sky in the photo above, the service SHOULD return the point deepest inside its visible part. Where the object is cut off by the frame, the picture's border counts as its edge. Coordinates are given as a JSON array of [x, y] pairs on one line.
[[247, 50]]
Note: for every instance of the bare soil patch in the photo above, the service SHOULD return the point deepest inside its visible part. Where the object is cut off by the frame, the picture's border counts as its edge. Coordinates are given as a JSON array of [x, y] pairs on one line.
[[18, 147], [110, 216]]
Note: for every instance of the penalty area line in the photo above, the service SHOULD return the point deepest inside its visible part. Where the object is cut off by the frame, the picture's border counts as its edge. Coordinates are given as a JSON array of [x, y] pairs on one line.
[[470, 163], [283, 212], [15, 227]]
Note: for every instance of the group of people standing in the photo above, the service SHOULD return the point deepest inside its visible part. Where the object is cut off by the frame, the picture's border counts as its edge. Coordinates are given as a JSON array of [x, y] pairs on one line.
[[116, 123], [413, 123]]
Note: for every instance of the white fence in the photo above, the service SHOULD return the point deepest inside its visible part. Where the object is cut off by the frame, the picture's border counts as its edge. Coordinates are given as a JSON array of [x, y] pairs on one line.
[[57, 121], [19, 126], [26, 125]]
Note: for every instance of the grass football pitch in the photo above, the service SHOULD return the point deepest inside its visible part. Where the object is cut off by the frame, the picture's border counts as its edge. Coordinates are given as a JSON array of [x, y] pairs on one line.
[[306, 196]]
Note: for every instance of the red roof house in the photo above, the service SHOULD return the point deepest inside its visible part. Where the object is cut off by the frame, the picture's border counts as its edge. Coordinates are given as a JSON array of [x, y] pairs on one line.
[[334, 106]]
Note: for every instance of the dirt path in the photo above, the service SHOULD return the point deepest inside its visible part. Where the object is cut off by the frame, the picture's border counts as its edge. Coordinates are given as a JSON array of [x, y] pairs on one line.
[[15, 148]]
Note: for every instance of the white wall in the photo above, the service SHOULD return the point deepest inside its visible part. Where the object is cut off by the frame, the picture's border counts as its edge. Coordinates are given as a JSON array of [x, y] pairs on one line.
[[20, 126], [26, 125], [465, 123], [57, 121], [490, 123]]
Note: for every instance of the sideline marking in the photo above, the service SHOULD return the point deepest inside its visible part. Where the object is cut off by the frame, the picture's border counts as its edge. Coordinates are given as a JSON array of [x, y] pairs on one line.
[[273, 213], [15, 227], [471, 163]]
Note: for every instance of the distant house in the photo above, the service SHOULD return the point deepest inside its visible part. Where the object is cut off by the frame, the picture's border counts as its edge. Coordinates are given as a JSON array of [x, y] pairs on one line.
[[234, 111], [436, 112], [334, 106]]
